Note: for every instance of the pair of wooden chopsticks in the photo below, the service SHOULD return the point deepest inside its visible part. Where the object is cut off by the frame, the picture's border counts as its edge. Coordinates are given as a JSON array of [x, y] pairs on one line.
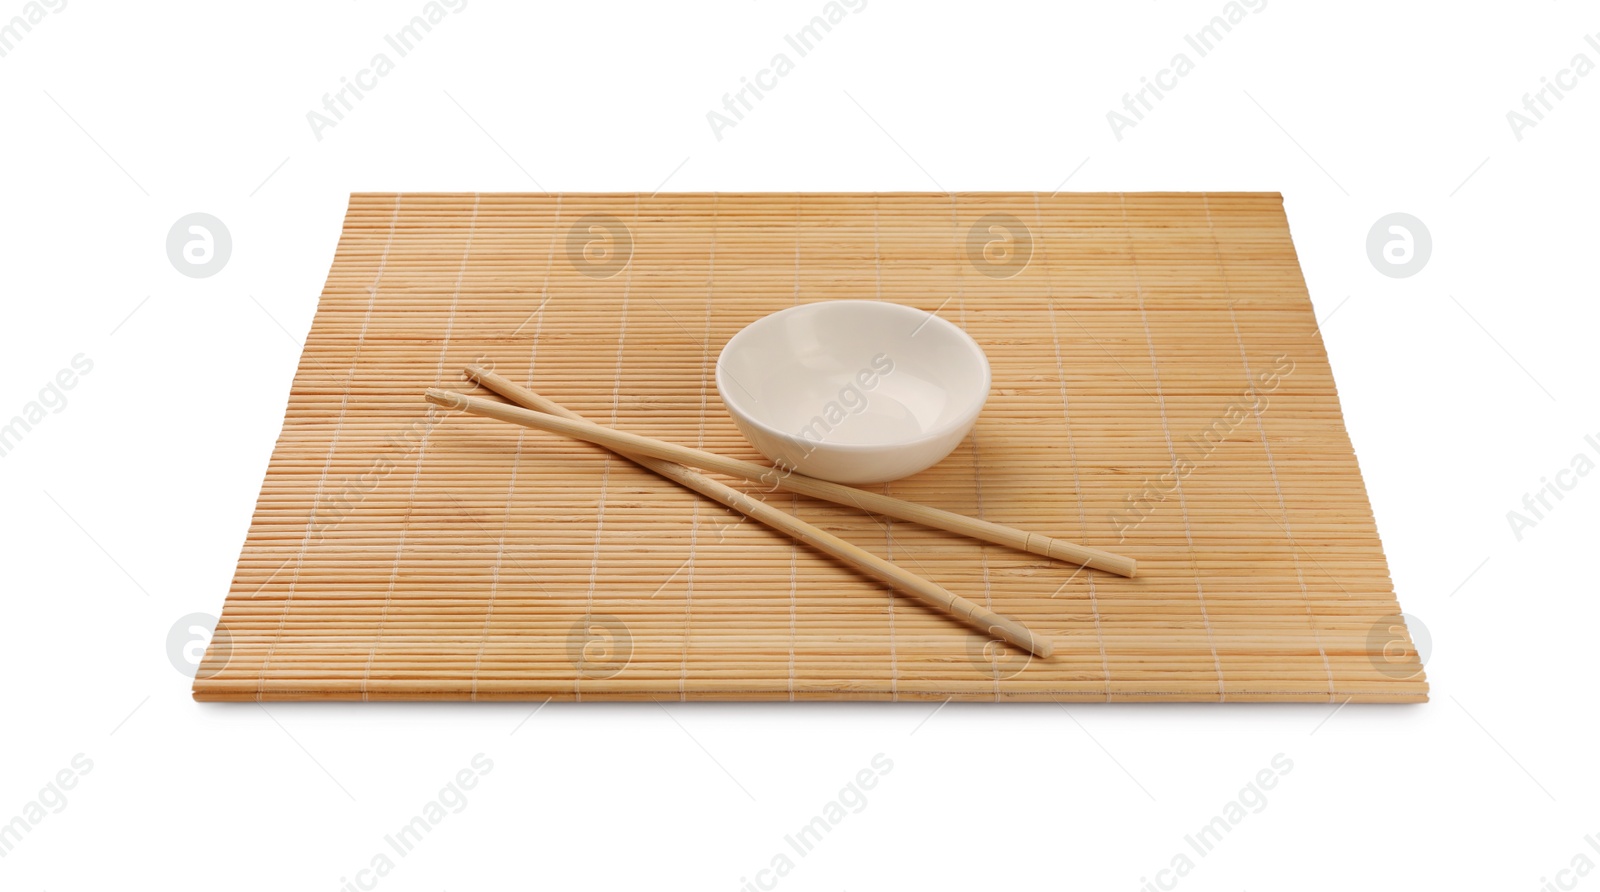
[[675, 462]]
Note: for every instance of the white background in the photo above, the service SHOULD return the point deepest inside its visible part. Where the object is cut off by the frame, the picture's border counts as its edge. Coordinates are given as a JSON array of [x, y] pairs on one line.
[[1463, 387]]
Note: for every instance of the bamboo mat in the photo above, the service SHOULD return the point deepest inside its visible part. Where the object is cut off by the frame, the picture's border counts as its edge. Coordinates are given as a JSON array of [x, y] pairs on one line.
[[1160, 390]]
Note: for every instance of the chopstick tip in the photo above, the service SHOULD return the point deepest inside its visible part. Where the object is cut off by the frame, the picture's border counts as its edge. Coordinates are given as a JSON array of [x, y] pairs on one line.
[[447, 398]]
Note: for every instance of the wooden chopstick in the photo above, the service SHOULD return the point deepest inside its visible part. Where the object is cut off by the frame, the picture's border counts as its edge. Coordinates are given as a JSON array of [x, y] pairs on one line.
[[975, 615], [874, 503]]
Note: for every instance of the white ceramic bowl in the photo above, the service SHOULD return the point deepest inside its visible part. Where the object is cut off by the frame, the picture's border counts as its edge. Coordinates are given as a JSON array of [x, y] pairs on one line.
[[853, 391]]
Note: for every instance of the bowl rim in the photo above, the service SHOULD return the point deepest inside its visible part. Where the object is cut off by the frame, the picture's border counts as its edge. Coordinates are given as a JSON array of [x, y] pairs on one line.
[[964, 419]]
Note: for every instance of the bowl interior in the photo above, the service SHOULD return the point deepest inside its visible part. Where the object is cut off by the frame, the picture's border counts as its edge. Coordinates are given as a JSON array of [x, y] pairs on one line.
[[854, 373]]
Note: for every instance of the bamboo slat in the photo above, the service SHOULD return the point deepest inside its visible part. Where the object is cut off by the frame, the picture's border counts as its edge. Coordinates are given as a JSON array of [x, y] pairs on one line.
[[1160, 391]]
